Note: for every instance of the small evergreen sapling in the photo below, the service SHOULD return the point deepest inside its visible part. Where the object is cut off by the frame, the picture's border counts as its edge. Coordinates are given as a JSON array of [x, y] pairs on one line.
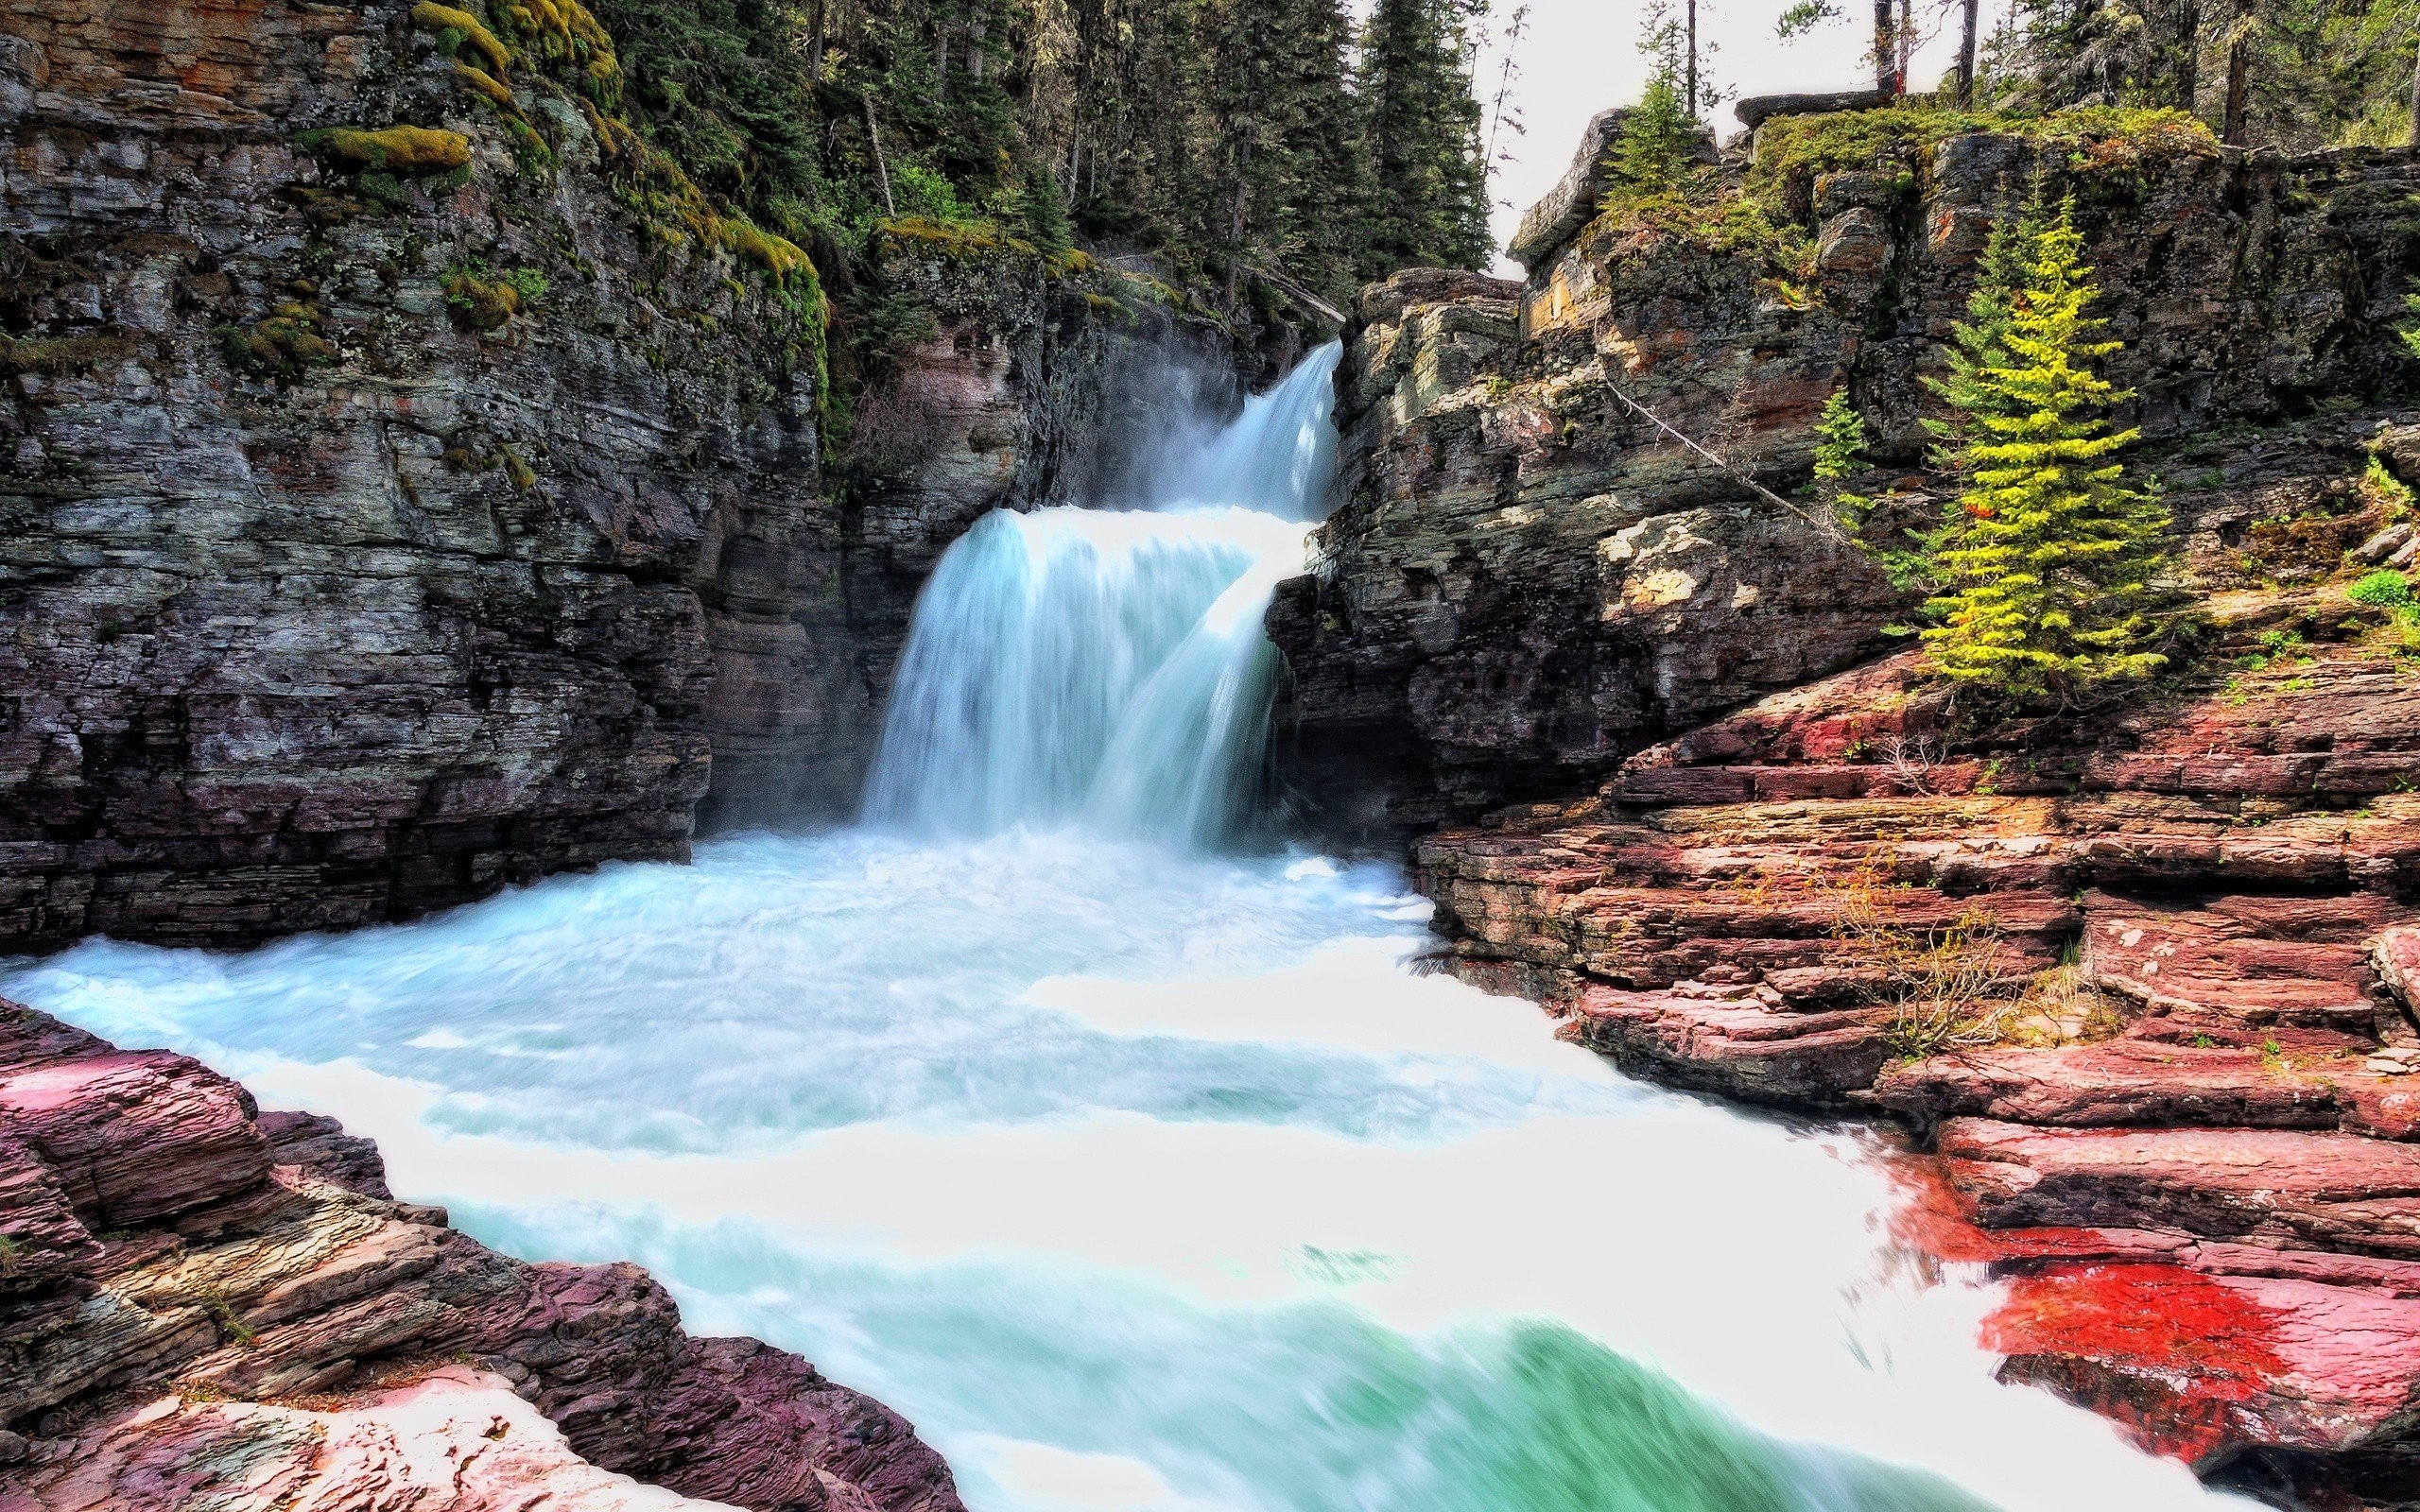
[[1654, 152], [1840, 453], [2052, 568]]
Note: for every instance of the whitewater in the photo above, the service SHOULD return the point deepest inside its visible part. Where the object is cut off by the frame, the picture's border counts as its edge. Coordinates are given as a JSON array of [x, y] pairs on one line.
[[1126, 1149]]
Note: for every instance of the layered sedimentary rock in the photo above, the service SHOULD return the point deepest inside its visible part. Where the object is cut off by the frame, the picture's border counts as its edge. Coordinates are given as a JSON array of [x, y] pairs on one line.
[[200, 1302], [411, 484], [1525, 581], [2136, 977], [2140, 978]]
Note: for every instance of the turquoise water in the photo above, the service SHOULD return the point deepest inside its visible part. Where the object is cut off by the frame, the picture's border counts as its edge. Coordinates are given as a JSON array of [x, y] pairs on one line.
[[1141, 1179]]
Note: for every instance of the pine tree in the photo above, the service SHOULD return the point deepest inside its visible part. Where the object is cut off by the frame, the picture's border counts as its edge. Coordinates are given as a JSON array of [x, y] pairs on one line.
[[1839, 454], [1979, 342], [1428, 185], [2052, 566], [1653, 151]]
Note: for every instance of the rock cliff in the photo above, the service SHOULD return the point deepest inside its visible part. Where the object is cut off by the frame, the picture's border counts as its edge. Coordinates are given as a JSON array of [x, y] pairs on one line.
[[2138, 978], [412, 483], [1524, 581], [200, 1302]]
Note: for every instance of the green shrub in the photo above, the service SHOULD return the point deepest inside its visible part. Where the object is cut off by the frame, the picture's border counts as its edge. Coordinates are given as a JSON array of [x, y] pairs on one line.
[[481, 301], [279, 348], [2383, 589]]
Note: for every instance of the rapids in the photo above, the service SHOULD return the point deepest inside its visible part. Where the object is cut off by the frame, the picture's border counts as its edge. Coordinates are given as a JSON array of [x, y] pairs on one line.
[[1145, 1172]]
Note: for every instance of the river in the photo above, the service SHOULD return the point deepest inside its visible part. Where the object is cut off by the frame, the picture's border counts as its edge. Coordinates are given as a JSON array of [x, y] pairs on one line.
[[1122, 1145]]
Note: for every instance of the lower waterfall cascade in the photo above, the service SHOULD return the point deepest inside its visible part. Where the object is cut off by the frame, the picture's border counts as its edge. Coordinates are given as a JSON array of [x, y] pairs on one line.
[[1143, 1170]]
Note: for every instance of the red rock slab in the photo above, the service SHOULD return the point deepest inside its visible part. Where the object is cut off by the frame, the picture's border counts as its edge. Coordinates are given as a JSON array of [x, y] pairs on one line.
[[2193, 1365], [2298, 963], [2114, 1083], [42, 1241], [1742, 1048], [457, 1439], [136, 1137], [2396, 957], [2272, 1186]]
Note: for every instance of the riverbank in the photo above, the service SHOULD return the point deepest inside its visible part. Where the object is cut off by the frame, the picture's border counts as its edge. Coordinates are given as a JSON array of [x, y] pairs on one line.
[[202, 1299]]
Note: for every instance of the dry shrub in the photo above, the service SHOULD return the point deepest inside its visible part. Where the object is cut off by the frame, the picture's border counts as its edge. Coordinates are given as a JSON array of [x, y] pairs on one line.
[[1948, 986]]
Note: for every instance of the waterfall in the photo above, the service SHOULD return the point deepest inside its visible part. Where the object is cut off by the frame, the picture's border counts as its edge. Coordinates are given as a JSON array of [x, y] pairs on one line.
[[1277, 455], [1106, 668]]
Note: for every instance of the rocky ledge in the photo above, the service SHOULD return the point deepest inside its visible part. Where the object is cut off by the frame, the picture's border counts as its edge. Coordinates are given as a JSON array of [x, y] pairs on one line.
[[201, 1302], [2142, 983]]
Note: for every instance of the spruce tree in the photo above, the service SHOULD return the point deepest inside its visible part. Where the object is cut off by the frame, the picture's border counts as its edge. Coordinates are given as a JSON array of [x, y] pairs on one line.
[[1653, 151], [2052, 564], [1429, 190]]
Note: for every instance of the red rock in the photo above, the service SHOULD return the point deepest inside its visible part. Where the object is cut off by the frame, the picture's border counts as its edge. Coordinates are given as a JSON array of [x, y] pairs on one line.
[[2245, 961], [319, 1145], [1742, 1048], [133, 1138], [2396, 957], [458, 1438], [2311, 1189], [2193, 1365], [2119, 1082], [313, 1283]]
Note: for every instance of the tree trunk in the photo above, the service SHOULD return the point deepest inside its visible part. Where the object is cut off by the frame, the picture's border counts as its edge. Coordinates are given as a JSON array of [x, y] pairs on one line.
[[1966, 55], [1904, 57], [1886, 48], [1693, 65], [881, 169], [815, 44], [2415, 100], [2238, 82], [974, 31], [940, 60], [1235, 224], [2189, 53]]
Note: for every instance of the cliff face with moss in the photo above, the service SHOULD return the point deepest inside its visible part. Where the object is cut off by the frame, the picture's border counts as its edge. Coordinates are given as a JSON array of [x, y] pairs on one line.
[[1525, 581], [413, 483]]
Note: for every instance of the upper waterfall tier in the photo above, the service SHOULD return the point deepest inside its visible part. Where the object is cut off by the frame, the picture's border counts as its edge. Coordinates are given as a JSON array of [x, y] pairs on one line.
[[1087, 666], [1277, 455], [1108, 667]]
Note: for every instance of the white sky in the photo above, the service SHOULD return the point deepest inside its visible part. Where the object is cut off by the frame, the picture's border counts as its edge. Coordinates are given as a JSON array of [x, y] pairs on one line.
[[1581, 55]]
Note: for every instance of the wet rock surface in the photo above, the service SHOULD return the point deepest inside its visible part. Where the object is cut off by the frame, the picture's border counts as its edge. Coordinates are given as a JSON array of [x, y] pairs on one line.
[[2185, 1126], [240, 1313], [370, 541]]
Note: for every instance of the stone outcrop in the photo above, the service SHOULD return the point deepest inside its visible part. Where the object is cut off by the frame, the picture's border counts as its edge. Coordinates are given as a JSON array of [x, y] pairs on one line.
[[2137, 978], [201, 1302], [1524, 582], [378, 529], [2140, 978]]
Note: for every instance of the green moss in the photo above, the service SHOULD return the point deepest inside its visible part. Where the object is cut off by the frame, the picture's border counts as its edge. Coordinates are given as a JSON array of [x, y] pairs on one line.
[[406, 151], [282, 347], [484, 85], [464, 31], [1792, 151], [54, 355], [961, 241], [523, 477], [481, 301], [563, 34]]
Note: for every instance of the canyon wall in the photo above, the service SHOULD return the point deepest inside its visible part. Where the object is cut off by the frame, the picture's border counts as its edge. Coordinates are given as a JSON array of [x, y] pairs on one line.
[[387, 515], [1524, 581]]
